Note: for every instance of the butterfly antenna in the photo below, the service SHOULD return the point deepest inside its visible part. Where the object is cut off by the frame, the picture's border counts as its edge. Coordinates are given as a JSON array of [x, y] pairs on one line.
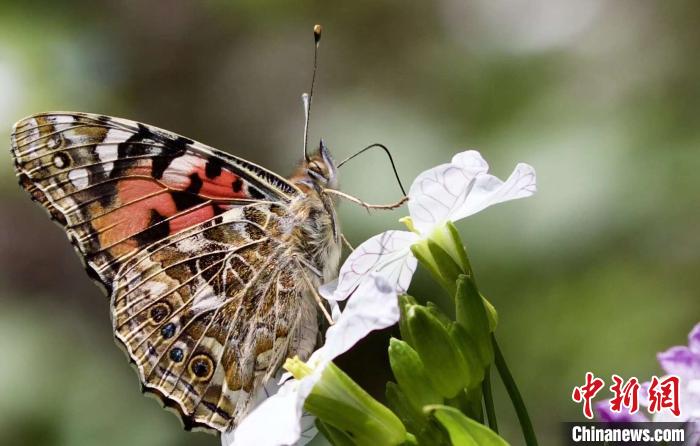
[[388, 153], [308, 97]]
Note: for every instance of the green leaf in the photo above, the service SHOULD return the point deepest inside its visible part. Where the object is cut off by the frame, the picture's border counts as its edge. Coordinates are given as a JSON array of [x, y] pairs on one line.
[[411, 375], [464, 431]]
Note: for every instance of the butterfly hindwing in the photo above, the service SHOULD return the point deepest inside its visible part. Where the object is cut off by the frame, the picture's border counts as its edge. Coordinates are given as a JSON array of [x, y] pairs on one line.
[[118, 185], [209, 314]]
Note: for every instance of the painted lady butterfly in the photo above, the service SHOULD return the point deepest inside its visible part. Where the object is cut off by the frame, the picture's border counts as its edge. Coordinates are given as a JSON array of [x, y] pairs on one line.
[[211, 261]]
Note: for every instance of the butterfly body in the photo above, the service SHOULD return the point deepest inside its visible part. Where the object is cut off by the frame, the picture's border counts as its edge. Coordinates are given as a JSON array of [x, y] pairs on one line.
[[208, 259]]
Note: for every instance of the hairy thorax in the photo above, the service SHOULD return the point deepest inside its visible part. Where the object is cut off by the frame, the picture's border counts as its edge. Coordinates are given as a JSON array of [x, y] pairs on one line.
[[315, 237]]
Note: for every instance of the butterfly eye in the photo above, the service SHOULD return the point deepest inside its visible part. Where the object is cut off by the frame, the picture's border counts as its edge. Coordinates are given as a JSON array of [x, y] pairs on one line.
[[202, 366], [316, 171]]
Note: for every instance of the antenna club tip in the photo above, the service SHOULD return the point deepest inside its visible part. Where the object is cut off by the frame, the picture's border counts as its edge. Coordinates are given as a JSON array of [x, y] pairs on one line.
[[318, 29]]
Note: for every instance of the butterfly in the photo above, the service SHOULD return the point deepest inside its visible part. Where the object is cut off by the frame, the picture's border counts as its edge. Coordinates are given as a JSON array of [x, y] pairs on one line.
[[210, 261]]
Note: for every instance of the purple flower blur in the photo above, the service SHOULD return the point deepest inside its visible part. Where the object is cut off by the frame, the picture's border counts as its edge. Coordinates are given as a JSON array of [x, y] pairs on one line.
[[682, 361]]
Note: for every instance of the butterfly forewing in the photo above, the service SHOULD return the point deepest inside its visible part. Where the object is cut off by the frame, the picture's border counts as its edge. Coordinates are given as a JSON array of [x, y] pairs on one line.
[[194, 246], [118, 185]]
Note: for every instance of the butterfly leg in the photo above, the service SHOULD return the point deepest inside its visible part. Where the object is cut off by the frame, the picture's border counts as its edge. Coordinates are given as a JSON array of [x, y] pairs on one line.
[[365, 205], [317, 297], [346, 243]]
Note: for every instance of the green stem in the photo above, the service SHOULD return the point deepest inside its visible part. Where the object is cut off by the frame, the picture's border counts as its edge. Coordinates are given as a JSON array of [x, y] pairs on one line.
[[514, 394], [488, 400]]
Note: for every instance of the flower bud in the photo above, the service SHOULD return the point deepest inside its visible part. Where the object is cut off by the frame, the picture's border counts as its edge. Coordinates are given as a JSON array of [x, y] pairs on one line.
[[342, 404], [415, 420], [447, 237], [437, 312], [405, 301], [467, 347], [444, 364], [438, 262], [473, 317], [411, 376]]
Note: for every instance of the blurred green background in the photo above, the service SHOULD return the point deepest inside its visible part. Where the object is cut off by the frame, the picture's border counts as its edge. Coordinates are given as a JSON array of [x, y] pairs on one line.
[[599, 271]]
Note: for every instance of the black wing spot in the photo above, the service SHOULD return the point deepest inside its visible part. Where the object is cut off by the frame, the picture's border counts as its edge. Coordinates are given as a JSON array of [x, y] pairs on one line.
[[255, 193], [160, 312], [195, 184], [168, 330], [158, 228], [202, 366], [219, 411], [237, 184], [186, 200], [213, 168], [176, 354], [133, 146], [175, 149]]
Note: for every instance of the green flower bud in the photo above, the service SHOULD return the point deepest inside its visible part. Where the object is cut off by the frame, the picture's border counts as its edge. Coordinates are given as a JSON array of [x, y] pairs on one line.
[[342, 404], [438, 262], [473, 317], [336, 436], [437, 312], [447, 237], [405, 301], [468, 348], [411, 375], [426, 430], [470, 403], [413, 418], [444, 364]]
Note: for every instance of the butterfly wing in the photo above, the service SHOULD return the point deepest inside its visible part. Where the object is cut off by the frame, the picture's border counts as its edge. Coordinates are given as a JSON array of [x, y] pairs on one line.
[[208, 314], [191, 244], [117, 185]]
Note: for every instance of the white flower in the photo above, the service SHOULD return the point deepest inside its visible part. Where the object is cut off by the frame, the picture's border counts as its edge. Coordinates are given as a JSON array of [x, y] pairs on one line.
[[448, 192], [278, 419]]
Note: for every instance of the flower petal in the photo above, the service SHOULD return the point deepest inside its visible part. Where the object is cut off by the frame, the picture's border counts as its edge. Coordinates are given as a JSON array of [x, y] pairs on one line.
[[462, 188], [694, 340], [374, 305], [471, 161], [275, 421], [388, 254], [680, 361]]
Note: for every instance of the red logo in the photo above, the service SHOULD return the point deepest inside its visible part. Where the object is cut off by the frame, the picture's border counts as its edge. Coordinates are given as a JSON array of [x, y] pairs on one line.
[[626, 395], [663, 394], [587, 392]]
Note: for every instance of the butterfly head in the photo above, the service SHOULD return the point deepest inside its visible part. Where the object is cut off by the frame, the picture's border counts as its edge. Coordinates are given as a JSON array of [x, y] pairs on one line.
[[319, 170]]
